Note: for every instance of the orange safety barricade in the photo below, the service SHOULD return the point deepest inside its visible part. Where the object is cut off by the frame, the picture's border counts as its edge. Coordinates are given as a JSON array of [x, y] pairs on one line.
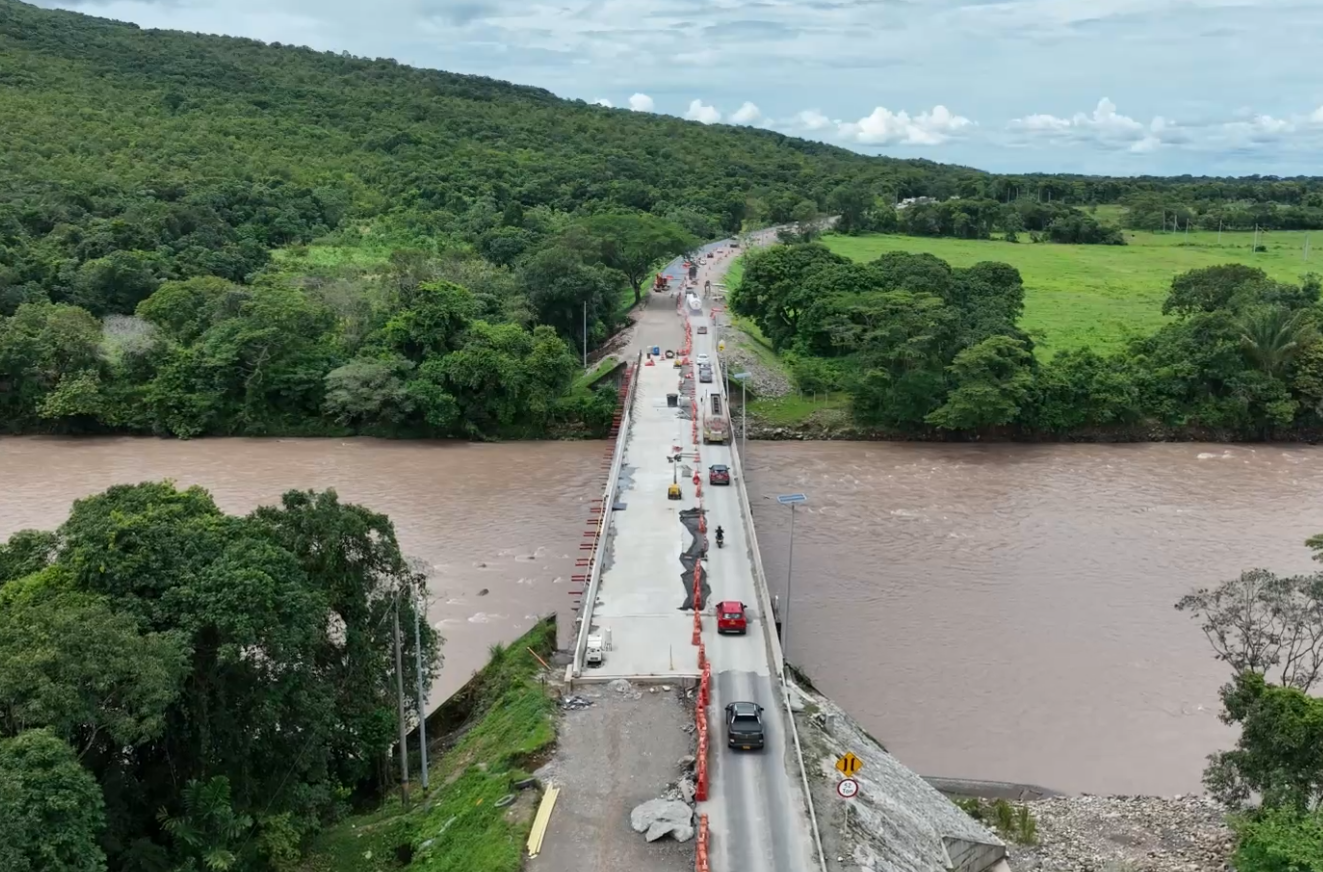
[[704, 844], [698, 629]]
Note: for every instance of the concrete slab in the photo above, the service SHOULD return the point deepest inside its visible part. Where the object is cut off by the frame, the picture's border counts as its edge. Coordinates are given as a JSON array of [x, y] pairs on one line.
[[641, 594]]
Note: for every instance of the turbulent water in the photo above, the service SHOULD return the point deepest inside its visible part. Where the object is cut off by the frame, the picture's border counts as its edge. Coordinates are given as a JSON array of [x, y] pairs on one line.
[[997, 612]]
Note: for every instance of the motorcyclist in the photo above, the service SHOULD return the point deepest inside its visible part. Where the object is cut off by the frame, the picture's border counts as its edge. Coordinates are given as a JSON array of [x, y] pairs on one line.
[[721, 535]]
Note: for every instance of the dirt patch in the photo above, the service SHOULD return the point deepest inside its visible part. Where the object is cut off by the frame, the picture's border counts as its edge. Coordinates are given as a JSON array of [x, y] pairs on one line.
[[610, 757]]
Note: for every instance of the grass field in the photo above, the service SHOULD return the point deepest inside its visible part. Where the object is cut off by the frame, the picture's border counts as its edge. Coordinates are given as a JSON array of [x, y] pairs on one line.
[[1099, 295]]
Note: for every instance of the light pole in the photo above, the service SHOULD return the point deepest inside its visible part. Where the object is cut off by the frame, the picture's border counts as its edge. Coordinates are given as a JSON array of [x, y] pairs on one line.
[[742, 378], [791, 500]]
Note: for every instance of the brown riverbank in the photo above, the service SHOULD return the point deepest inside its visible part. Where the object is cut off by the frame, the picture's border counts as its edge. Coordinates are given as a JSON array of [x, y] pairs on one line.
[[835, 425]]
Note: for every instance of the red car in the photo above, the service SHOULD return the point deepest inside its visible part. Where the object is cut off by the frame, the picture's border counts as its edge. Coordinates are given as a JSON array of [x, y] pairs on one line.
[[718, 474], [730, 618]]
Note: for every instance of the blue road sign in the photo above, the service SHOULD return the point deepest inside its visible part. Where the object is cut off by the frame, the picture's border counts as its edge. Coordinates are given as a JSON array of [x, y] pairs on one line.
[[791, 499]]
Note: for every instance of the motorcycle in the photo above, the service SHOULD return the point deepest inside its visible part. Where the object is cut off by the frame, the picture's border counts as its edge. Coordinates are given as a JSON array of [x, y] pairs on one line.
[[721, 542]]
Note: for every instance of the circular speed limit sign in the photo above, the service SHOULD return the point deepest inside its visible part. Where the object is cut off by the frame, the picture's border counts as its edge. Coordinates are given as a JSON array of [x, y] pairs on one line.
[[848, 788]]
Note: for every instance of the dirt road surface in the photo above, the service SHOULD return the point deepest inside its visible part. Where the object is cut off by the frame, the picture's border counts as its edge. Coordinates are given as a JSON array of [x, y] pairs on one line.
[[612, 756]]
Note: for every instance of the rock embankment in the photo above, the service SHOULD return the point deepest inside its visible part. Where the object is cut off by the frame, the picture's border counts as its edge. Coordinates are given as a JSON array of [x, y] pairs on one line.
[[1127, 834]]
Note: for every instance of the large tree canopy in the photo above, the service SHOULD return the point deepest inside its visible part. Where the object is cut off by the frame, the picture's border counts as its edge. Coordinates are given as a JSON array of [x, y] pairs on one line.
[[223, 682]]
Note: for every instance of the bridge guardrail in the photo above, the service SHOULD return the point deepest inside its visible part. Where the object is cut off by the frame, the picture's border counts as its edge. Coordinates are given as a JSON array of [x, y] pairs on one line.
[[604, 522]]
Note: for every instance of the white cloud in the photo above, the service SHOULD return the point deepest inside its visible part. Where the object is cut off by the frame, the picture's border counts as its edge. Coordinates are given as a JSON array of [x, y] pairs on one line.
[[700, 111], [602, 101], [811, 120], [1316, 117], [1047, 123], [746, 114], [1104, 126], [1104, 122], [1261, 129], [641, 103], [884, 127]]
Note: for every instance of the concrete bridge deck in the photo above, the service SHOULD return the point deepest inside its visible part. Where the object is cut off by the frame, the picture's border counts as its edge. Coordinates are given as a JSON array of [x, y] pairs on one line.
[[757, 807]]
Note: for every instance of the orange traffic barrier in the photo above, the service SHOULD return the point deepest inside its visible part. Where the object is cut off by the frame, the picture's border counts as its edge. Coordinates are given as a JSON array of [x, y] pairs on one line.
[[704, 840], [702, 523], [698, 629]]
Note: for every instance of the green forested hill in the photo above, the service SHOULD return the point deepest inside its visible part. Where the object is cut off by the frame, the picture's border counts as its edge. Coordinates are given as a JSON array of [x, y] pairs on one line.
[[96, 108], [147, 177]]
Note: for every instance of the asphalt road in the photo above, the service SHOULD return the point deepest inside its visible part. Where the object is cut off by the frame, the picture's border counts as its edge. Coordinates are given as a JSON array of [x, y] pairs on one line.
[[756, 807]]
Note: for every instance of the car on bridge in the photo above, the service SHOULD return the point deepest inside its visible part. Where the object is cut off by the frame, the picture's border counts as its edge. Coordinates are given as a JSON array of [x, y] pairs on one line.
[[718, 473], [702, 328], [705, 374], [744, 726], [730, 618], [702, 360]]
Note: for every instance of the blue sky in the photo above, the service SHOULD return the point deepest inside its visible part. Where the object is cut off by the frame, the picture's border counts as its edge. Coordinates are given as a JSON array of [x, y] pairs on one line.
[[1093, 86]]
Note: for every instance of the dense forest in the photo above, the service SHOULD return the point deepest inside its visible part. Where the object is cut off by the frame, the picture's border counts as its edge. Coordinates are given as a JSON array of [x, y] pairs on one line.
[[187, 690], [925, 350], [972, 218], [159, 192]]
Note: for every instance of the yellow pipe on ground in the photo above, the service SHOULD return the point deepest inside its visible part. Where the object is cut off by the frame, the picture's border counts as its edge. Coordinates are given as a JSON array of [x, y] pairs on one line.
[[541, 820]]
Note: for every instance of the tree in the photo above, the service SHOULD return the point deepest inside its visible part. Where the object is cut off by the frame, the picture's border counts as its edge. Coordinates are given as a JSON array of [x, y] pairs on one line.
[[1273, 336], [1279, 754], [370, 391], [207, 834], [51, 810], [1212, 288], [633, 244], [1265, 624], [70, 663], [116, 283], [992, 381], [851, 202], [563, 292], [26, 552], [1279, 840]]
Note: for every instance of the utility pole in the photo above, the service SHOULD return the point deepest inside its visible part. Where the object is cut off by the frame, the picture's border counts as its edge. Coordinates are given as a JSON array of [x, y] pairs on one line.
[[422, 693], [399, 691], [791, 500], [585, 334], [1219, 231]]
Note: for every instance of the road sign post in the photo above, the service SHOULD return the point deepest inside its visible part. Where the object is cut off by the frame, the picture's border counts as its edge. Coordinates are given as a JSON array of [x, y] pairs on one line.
[[791, 500]]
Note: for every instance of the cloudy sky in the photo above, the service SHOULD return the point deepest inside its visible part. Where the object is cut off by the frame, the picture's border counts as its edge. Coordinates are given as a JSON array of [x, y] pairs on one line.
[[1096, 86]]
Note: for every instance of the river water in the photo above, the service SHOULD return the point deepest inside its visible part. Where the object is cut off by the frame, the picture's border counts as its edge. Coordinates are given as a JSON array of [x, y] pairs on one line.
[[995, 612]]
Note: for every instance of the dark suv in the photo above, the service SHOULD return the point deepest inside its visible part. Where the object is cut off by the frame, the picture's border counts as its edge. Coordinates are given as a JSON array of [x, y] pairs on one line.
[[744, 726]]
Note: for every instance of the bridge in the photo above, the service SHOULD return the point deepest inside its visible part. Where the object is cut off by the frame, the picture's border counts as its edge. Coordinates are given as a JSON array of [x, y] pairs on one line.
[[652, 568]]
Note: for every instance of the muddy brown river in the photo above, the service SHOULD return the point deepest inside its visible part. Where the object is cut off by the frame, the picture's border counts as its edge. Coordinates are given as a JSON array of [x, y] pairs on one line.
[[993, 612]]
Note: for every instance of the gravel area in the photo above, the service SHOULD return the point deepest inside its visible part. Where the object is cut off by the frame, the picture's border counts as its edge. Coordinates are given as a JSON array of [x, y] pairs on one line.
[[1127, 834], [612, 755]]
